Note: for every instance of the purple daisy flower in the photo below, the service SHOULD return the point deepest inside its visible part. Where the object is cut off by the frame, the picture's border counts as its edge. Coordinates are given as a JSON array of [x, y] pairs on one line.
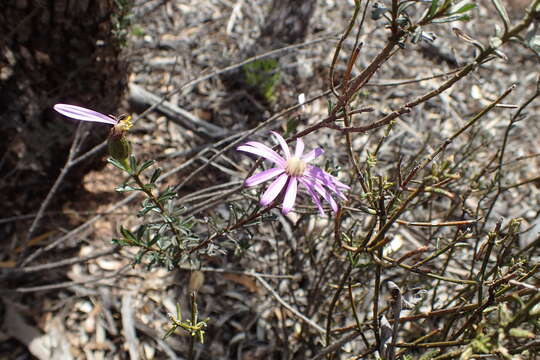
[[291, 170], [120, 124], [83, 114]]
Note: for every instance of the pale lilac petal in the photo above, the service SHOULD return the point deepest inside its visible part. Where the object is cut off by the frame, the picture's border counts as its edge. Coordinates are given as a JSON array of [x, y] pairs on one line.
[[274, 189], [314, 196], [326, 196], [299, 148], [283, 145], [290, 196], [275, 156], [262, 152], [80, 113], [312, 154], [327, 180], [263, 176]]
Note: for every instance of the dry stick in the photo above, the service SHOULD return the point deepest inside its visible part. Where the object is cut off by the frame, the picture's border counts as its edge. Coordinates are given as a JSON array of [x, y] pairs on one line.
[[435, 344], [78, 229], [67, 284], [287, 306], [492, 236], [521, 183], [439, 252], [74, 149], [333, 303], [427, 273], [438, 313], [397, 82], [338, 50], [177, 115], [246, 273], [523, 313], [440, 224], [17, 272], [416, 342], [498, 176], [448, 141], [335, 346]]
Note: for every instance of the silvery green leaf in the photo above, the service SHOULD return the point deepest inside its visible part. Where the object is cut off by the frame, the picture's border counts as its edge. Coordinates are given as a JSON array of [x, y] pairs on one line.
[[433, 7], [502, 13], [145, 165], [155, 175], [117, 164], [462, 7], [377, 11], [534, 44], [451, 18]]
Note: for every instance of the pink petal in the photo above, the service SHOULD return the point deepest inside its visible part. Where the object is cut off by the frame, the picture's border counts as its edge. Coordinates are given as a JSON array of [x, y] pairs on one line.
[[325, 179], [314, 196], [299, 150], [263, 176], [312, 154], [290, 196], [283, 145], [83, 114], [275, 156], [263, 153], [326, 196], [274, 189]]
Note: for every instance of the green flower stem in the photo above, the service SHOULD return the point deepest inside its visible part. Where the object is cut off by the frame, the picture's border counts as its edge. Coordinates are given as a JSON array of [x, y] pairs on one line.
[[163, 212]]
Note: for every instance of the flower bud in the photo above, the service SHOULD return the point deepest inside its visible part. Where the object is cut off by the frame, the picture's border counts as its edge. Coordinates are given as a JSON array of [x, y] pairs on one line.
[[119, 148], [118, 144]]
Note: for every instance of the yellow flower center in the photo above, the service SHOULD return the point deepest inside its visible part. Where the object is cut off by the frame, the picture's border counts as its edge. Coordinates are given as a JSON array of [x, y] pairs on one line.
[[295, 166], [124, 124]]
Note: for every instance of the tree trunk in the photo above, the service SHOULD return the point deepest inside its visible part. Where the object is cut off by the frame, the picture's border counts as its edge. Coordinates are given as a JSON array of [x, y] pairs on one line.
[[53, 51], [287, 22]]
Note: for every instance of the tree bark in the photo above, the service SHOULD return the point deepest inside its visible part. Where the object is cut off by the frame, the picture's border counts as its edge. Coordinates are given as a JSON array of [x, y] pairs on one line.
[[287, 22], [53, 51]]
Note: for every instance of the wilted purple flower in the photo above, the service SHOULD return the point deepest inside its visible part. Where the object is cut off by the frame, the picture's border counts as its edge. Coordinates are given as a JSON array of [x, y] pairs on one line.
[[291, 170], [80, 113], [119, 146]]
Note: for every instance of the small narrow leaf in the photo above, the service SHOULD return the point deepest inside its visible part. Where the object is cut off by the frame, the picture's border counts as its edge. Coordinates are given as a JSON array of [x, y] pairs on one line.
[[117, 164], [464, 8], [154, 240], [126, 188], [502, 13], [132, 162], [128, 235], [155, 175], [145, 165], [433, 8], [451, 18], [521, 333]]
